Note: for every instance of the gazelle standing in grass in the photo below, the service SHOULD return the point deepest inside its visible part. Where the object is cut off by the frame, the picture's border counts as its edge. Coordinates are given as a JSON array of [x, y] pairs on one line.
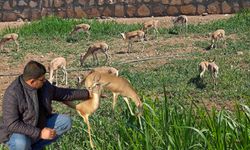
[[216, 37], [88, 107], [93, 50], [130, 37], [211, 67], [8, 38], [151, 24], [55, 65], [181, 21]]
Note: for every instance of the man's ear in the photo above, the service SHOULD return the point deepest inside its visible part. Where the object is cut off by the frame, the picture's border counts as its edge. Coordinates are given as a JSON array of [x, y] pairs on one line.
[[31, 81]]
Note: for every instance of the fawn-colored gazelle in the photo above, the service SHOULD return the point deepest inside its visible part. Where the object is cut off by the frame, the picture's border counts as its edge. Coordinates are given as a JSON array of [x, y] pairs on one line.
[[88, 107]]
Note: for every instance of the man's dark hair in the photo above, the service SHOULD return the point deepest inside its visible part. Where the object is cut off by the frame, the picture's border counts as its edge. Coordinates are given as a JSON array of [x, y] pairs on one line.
[[33, 70]]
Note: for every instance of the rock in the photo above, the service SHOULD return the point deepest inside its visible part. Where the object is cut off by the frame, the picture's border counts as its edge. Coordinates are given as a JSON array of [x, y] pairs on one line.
[[119, 10], [204, 14], [172, 10], [188, 9], [143, 11], [131, 10]]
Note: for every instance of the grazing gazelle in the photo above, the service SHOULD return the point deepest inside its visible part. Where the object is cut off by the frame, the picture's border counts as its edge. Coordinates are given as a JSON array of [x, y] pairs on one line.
[[130, 37], [8, 38], [93, 50]]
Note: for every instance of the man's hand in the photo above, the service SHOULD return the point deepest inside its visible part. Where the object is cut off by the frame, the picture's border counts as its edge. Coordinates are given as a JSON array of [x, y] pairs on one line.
[[48, 134]]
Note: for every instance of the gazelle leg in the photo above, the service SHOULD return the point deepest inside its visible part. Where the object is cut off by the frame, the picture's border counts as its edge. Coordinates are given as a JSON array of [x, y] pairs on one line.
[[143, 44], [89, 132], [115, 96], [17, 45], [126, 100], [107, 57], [65, 76], [86, 120]]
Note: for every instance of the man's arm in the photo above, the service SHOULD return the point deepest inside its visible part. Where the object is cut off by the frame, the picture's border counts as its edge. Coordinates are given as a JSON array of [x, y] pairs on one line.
[[67, 94], [11, 117]]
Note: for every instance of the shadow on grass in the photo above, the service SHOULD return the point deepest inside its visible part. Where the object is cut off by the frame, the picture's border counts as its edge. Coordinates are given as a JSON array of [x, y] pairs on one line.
[[198, 82]]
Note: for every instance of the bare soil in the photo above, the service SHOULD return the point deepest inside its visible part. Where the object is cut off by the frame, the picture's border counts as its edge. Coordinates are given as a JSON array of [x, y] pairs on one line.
[[9, 71]]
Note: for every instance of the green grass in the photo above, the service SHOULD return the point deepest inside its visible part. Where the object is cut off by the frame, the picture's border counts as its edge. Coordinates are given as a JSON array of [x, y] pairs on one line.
[[177, 111]]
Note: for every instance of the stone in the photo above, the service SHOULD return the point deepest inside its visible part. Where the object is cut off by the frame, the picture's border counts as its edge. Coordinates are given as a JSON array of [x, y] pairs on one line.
[[188, 9], [188, 1], [9, 16], [157, 10], [58, 3], [213, 8], [165, 2], [22, 3], [45, 3], [131, 10], [156, 1], [33, 4], [100, 2], [61, 13], [68, 1], [226, 9], [91, 2], [245, 4], [83, 2], [119, 10], [201, 9], [35, 14], [80, 13], [93, 12], [143, 11], [204, 14], [172, 11], [46, 12], [199, 1], [106, 12], [6, 6], [70, 12], [13, 3], [25, 14], [236, 7], [176, 2], [146, 1]]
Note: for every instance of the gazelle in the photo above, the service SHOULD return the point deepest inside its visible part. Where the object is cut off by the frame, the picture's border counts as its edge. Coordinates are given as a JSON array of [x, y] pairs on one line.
[[88, 107], [130, 37], [55, 65], [151, 24], [81, 27], [8, 38], [93, 50], [118, 86], [181, 20], [211, 67], [216, 36]]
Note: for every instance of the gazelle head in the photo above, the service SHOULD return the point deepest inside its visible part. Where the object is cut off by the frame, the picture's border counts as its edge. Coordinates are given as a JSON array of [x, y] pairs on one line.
[[123, 35]]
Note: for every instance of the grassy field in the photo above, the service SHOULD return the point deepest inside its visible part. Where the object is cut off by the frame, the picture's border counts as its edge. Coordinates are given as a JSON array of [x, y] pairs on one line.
[[180, 111]]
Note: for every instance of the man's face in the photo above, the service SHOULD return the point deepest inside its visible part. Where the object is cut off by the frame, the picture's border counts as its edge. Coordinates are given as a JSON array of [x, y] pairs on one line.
[[38, 83]]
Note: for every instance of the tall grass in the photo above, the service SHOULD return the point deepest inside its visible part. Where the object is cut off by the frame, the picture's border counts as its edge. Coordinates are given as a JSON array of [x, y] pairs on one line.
[[167, 124]]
